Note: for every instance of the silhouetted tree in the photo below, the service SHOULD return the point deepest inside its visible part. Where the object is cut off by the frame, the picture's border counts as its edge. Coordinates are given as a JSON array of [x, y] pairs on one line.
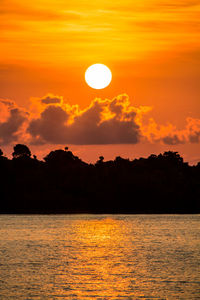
[[2, 158], [100, 160], [61, 157], [21, 151], [152, 157], [173, 157], [121, 160]]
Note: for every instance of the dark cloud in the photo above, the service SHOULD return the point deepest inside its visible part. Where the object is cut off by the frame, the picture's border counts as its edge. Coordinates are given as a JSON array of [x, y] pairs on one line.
[[9, 129], [51, 99], [172, 140], [7, 102], [194, 137], [50, 127], [90, 126]]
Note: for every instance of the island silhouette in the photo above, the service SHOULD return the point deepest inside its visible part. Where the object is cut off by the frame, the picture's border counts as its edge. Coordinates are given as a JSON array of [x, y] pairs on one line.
[[63, 183]]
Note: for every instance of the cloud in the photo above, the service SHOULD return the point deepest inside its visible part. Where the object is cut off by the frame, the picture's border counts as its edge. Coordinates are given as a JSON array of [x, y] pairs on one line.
[[50, 127], [11, 120], [7, 102], [170, 135], [172, 140], [49, 99], [103, 122], [193, 130]]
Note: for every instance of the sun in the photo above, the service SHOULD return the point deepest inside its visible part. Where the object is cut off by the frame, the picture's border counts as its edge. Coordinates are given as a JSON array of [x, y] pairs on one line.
[[98, 76]]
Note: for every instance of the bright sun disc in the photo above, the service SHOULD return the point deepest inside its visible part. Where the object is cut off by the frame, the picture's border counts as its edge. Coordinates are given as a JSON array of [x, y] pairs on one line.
[[98, 76]]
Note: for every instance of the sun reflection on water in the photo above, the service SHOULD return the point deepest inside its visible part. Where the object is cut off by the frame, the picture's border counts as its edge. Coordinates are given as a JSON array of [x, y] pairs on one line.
[[97, 267]]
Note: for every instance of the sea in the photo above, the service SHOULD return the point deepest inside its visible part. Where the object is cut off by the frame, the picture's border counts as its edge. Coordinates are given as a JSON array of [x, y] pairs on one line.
[[99, 257]]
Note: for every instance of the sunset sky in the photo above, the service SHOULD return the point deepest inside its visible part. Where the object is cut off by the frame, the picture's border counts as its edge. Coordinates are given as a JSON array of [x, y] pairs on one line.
[[152, 105]]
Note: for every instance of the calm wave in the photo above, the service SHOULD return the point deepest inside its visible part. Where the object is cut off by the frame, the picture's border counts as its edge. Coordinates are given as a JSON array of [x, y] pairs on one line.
[[99, 257]]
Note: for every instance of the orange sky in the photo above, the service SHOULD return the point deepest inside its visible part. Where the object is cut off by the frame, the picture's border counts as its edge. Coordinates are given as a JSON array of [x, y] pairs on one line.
[[152, 48]]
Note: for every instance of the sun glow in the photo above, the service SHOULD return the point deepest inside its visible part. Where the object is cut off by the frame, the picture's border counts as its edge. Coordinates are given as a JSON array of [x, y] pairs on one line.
[[98, 76]]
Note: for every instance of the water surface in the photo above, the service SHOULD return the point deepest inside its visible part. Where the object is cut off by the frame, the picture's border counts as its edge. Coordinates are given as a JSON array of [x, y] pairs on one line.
[[99, 257]]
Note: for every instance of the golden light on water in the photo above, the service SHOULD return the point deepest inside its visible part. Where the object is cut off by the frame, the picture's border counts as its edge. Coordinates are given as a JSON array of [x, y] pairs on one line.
[[98, 262]]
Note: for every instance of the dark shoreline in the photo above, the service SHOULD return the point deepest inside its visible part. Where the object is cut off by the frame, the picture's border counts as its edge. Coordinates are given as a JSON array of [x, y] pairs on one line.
[[64, 184]]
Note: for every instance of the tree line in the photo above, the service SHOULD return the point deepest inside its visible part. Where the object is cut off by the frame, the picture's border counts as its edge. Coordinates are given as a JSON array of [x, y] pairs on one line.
[[63, 183]]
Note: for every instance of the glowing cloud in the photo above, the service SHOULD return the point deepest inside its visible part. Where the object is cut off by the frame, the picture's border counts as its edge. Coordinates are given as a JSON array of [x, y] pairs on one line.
[[104, 121]]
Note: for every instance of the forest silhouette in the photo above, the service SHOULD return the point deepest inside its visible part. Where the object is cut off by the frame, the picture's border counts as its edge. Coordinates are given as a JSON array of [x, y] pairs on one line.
[[63, 183]]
